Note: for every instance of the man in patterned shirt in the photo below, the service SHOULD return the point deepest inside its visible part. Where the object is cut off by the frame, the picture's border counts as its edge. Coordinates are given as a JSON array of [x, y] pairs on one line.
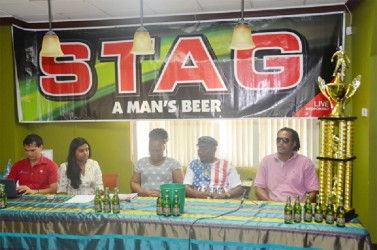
[[209, 177]]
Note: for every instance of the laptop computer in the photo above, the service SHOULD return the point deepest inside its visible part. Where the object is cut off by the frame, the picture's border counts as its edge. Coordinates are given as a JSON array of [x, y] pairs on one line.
[[10, 188]]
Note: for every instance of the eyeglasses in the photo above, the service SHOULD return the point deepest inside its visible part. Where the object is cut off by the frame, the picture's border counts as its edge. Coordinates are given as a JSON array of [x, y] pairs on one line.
[[285, 140]]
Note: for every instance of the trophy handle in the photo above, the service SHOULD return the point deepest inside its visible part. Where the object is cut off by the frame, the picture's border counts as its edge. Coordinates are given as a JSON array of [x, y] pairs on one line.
[[354, 86], [322, 87]]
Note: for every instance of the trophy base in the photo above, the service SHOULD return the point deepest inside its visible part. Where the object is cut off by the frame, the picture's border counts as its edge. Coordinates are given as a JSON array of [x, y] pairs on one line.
[[351, 214]]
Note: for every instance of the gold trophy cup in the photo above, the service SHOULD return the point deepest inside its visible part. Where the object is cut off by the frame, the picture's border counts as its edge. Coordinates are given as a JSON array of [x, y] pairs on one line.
[[339, 91], [336, 137]]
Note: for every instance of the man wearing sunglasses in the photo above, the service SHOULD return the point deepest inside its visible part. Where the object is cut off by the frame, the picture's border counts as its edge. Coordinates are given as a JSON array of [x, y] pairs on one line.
[[286, 172]]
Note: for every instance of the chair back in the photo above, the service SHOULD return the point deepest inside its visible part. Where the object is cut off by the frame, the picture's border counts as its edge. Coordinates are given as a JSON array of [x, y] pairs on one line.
[[110, 180]]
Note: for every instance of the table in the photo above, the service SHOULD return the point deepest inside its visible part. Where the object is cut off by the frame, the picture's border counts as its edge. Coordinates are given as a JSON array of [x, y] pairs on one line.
[[43, 223]]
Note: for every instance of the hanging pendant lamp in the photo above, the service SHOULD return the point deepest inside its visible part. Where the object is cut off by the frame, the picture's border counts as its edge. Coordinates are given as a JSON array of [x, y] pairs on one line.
[[242, 38], [142, 44], [51, 44]]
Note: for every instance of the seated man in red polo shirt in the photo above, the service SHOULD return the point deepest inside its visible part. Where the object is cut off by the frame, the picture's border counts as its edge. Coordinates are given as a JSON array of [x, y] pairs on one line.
[[36, 173]]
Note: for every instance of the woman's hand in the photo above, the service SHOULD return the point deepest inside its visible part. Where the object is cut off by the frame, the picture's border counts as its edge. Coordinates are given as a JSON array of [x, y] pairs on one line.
[[149, 193]]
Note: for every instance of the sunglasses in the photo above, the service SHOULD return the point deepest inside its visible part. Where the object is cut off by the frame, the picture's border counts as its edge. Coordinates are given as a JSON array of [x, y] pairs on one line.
[[283, 139]]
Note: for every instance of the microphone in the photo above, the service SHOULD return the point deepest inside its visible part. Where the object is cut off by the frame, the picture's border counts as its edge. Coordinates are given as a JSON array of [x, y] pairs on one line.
[[246, 184]]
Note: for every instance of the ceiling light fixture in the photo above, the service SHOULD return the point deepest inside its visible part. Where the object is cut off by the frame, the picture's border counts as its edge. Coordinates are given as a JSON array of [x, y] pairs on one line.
[[242, 38], [142, 44], [51, 44]]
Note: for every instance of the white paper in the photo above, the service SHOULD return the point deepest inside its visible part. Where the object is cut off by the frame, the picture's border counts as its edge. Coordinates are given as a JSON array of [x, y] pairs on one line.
[[126, 197], [81, 198]]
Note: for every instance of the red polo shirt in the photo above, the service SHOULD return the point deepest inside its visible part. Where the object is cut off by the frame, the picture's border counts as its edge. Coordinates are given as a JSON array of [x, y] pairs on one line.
[[40, 176]]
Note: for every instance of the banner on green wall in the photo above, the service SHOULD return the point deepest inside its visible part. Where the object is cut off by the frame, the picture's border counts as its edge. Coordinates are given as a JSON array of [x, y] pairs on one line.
[[193, 73]]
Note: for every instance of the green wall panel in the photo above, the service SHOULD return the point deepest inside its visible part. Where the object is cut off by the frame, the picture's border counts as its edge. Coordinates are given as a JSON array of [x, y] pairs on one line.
[[365, 178]]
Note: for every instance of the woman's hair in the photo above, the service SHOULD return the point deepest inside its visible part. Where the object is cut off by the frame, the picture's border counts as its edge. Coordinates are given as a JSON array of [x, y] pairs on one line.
[[159, 134], [73, 169]]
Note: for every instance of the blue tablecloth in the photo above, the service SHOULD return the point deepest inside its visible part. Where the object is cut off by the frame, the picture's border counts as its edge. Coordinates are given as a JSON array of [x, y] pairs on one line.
[[45, 223]]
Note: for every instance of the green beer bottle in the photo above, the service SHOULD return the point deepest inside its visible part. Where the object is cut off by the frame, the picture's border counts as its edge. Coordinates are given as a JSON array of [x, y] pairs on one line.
[[297, 210], [2, 194], [115, 202], [176, 204], [288, 211], [340, 214], [308, 210], [166, 209], [98, 201], [5, 198], [318, 211], [159, 205], [329, 211], [106, 201]]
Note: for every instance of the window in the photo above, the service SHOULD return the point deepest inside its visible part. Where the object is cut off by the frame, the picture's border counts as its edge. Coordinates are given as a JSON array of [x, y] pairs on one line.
[[244, 142]]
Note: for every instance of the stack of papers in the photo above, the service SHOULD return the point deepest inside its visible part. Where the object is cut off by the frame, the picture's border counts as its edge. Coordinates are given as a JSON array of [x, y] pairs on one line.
[[126, 197], [81, 198]]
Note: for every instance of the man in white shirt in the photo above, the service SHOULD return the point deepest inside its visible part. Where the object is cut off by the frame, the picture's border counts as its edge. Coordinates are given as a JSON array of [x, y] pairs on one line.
[[209, 177]]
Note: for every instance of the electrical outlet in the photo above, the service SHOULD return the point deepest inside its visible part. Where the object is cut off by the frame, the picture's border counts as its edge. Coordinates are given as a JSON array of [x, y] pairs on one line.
[[349, 30], [364, 112]]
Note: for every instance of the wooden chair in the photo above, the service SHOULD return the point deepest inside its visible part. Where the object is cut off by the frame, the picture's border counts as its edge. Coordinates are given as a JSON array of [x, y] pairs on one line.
[[110, 180]]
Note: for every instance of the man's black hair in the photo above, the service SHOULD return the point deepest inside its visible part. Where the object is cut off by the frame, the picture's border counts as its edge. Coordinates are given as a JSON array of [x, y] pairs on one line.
[[295, 137], [33, 138]]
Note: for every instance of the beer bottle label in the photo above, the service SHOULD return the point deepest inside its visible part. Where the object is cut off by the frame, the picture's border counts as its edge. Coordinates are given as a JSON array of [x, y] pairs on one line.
[[340, 222], [116, 208], [297, 217], [159, 210], [166, 211], [176, 211], [106, 207], [308, 217], [288, 218], [97, 207], [318, 217], [329, 219]]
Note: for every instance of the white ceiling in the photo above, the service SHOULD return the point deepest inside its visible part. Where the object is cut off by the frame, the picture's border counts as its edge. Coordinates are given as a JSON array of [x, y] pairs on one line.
[[76, 10]]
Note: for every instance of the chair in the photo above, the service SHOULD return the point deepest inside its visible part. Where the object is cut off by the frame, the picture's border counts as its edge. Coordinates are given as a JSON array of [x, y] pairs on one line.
[[110, 180]]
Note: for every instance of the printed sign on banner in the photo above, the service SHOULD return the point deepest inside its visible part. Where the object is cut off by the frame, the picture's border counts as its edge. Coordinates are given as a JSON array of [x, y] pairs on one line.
[[192, 75]]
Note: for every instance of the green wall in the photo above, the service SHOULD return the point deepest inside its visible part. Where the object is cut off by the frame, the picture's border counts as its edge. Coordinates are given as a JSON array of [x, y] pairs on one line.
[[364, 62], [10, 130], [110, 141]]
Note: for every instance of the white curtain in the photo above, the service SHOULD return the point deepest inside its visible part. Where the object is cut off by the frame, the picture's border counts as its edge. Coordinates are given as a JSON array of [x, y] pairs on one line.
[[244, 142]]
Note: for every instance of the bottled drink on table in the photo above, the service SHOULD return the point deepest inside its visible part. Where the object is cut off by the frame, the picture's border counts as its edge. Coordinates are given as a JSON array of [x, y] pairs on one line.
[[318, 211], [297, 210], [329, 211], [166, 210], [3, 196], [98, 201], [159, 205], [115, 202], [288, 211], [308, 210], [176, 204], [340, 214], [106, 201]]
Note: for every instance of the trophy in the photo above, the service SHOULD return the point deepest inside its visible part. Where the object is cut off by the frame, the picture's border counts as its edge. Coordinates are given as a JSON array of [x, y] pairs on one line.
[[336, 138], [339, 92]]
